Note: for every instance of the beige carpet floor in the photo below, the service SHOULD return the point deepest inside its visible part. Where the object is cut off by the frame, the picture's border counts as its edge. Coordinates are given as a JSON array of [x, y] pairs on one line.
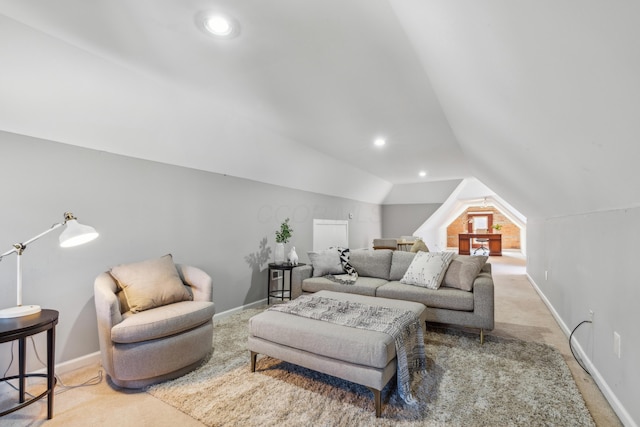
[[503, 382], [519, 314]]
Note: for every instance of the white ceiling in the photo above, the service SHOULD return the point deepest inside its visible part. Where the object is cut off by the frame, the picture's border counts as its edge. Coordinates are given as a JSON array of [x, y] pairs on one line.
[[543, 96], [538, 100]]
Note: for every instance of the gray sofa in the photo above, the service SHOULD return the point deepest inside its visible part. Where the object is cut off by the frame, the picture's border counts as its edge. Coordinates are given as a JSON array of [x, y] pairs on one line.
[[379, 274]]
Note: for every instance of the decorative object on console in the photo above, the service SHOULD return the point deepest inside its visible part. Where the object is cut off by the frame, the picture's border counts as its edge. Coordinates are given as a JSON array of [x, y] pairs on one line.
[[496, 227], [278, 254], [419, 246], [282, 237], [385, 244], [293, 256], [75, 234]]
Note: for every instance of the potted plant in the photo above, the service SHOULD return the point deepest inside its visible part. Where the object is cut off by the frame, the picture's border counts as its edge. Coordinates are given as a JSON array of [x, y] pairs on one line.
[[496, 227], [282, 237]]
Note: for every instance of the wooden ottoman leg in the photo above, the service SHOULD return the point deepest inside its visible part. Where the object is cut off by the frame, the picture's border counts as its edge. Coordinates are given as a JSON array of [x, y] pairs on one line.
[[377, 398], [253, 358]]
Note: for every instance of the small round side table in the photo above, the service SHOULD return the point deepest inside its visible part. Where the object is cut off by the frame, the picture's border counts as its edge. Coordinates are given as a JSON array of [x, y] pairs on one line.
[[20, 328], [281, 292]]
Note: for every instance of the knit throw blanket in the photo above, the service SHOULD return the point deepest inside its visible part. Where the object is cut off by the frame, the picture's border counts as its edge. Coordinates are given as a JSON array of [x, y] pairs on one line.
[[404, 326], [344, 279]]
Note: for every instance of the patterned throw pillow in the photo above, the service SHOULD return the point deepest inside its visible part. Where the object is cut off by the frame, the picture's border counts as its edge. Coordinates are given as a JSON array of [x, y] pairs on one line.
[[427, 269], [344, 260]]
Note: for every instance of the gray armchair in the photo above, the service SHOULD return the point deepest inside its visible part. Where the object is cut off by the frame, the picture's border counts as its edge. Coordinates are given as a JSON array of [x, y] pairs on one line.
[[158, 344]]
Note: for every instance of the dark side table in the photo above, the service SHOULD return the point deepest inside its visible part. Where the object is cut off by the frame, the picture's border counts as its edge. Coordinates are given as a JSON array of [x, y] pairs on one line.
[[281, 292], [20, 328]]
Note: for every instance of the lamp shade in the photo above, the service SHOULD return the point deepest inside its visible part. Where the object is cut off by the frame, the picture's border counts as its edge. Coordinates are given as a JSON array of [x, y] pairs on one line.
[[76, 234]]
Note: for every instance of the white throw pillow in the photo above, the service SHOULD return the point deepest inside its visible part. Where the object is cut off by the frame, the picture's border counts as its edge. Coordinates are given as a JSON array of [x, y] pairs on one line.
[[427, 269]]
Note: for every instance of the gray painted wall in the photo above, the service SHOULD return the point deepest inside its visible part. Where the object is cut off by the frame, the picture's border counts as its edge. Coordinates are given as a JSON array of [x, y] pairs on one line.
[[404, 220], [590, 261], [143, 209], [226, 226]]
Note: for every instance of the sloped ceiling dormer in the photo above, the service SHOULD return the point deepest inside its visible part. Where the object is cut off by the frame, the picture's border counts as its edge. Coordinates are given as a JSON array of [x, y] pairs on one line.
[[543, 97], [539, 101], [308, 85]]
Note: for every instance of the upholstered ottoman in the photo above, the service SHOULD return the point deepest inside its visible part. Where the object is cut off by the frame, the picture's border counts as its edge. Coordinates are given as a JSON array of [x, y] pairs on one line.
[[361, 356]]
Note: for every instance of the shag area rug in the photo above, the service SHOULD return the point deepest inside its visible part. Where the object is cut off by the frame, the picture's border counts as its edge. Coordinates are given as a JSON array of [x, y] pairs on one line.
[[504, 382]]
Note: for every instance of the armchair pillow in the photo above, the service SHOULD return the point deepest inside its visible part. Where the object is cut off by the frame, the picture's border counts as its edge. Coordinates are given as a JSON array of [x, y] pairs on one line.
[[151, 283]]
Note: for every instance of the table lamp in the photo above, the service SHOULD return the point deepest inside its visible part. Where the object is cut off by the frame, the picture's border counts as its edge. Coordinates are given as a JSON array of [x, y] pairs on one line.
[[74, 234]]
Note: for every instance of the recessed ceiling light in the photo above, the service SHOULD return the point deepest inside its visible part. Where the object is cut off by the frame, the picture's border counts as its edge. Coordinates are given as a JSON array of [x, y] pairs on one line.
[[379, 142], [218, 24], [422, 174]]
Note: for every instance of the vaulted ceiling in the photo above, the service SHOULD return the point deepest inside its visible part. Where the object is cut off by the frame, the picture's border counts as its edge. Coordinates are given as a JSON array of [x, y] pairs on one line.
[[537, 100]]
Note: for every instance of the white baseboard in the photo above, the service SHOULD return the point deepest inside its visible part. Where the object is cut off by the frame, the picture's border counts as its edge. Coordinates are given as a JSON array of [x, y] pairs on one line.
[[620, 410], [73, 364], [77, 363], [225, 314]]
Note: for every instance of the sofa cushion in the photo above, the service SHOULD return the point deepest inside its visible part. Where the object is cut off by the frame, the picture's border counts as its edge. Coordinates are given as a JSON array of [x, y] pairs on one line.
[[162, 321], [447, 298], [372, 263], [463, 270], [427, 269], [326, 262], [151, 283], [362, 286], [400, 262]]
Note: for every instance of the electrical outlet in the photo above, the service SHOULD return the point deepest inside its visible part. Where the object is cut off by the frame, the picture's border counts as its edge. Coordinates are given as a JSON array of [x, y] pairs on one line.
[[617, 344], [591, 316], [546, 275]]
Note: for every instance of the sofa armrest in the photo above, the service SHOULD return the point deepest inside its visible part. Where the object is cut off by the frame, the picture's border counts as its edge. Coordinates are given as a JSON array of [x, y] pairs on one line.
[[200, 282], [483, 300], [298, 274]]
